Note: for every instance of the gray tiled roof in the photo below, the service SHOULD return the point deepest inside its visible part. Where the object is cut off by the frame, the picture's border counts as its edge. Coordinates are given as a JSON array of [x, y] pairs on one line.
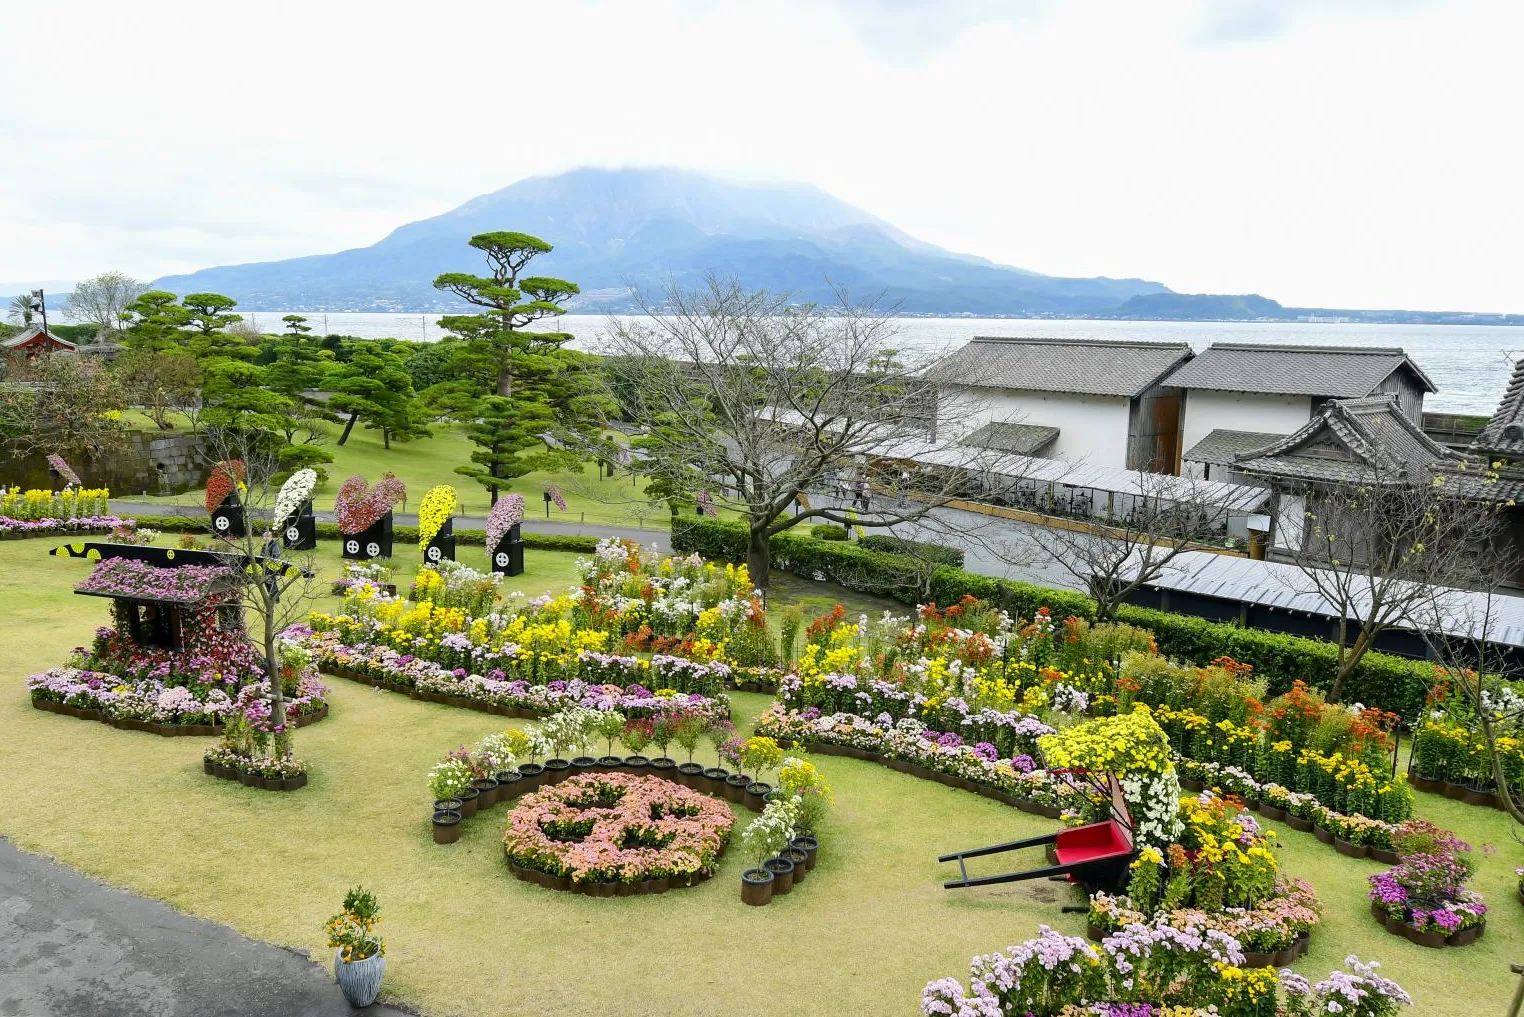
[[1366, 441], [1504, 433], [1079, 366], [1335, 372], [1221, 446], [1022, 439]]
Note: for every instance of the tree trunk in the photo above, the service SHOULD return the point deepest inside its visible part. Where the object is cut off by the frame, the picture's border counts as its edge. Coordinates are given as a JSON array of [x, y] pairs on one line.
[[350, 426], [759, 558], [272, 659], [1348, 661], [386, 437]]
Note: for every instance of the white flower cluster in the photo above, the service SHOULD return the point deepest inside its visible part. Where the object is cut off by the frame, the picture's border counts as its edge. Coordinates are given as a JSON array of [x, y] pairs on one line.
[[295, 492]]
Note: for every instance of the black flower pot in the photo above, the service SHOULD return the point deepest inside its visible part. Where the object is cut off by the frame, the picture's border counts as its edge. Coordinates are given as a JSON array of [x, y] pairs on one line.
[[783, 874], [610, 762], [442, 546], [636, 762], [469, 802], [557, 769], [507, 784], [661, 766], [811, 848], [531, 776], [446, 826], [582, 764], [692, 775], [299, 532], [756, 887], [447, 805], [800, 859], [486, 793], [735, 787], [508, 555], [373, 542], [755, 795]]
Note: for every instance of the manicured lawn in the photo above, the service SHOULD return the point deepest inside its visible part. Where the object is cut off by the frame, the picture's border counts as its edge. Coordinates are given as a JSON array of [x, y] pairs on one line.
[[861, 936], [616, 501]]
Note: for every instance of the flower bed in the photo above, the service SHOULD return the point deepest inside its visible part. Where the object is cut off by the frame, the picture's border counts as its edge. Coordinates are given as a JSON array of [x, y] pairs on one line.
[[71, 503], [196, 721], [1423, 898], [616, 834], [270, 774], [48, 526], [424, 680]]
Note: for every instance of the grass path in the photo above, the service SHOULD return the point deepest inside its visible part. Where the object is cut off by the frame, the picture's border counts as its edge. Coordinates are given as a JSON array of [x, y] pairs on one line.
[[861, 936]]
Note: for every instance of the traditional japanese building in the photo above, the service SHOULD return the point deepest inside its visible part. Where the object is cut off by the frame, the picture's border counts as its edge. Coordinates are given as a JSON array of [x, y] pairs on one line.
[[34, 340]]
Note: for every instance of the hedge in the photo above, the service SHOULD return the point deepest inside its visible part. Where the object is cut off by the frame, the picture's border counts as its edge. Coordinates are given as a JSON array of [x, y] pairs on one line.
[[828, 531], [401, 534], [941, 554], [1382, 680]]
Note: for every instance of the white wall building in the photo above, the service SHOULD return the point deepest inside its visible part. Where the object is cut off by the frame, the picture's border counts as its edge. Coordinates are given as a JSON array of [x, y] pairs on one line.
[[1081, 400], [1238, 397]]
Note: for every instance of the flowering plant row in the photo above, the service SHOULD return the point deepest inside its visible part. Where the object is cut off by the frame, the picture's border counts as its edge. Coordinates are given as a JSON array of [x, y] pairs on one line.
[[910, 742], [1426, 890], [1448, 744], [70, 503], [409, 673], [48, 526], [1152, 971], [150, 699], [617, 828]]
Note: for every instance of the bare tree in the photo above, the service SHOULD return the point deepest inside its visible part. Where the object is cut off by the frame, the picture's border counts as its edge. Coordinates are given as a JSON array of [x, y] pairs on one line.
[[1380, 552], [103, 300], [274, 590], [763, 408], [1115, 546], [1481, 673]]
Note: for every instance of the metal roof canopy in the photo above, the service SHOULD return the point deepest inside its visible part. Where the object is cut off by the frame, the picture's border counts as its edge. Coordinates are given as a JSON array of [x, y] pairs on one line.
[[1457, 613], [1136, 483]]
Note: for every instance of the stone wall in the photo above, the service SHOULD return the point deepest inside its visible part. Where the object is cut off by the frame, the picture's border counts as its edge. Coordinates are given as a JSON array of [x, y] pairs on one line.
[[151, 463]]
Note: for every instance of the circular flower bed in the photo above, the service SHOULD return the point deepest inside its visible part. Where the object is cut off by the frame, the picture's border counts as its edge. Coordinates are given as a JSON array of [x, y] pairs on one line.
[[616, 834]]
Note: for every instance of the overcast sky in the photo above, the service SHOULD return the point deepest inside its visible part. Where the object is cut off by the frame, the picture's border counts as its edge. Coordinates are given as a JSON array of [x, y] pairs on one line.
[[1353, 153]]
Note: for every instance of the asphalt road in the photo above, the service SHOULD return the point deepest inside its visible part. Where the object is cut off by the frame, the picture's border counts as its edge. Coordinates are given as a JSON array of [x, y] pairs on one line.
[[73, 947]]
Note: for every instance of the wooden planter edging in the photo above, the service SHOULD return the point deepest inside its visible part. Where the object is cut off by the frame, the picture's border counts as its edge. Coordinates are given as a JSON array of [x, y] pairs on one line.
[[925, 773], [1457, 792], [54, 534], [166, 730], [1401, 929], [1278, 959], [259, 780]]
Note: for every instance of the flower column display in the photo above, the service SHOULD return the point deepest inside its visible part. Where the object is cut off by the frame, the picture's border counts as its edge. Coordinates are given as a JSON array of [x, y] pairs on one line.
[[365, 516], [436, 524], [293, 511], [503, 541], [222, 499]]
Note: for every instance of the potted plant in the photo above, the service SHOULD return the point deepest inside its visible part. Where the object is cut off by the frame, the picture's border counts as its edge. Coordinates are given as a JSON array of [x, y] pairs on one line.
[[446, 826], [763, 837], [635, 737], [759, 755], [359, 958], [451, 779], [584, 725], [718, 734], [661, 734], [610, 727], [687, 730]]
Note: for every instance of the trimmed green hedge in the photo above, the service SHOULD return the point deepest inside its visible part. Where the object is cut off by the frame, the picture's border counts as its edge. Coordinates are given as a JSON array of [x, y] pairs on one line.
[[401, 534], [1382, 680], [828, 531], [941, 554]]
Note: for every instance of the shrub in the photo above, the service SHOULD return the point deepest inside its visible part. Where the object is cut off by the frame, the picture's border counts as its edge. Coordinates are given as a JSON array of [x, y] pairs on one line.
[[941, 554], [828, 531], [401, 534]]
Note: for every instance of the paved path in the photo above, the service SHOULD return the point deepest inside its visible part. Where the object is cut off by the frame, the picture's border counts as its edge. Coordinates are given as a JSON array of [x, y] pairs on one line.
[[558, 526], [72, 947]]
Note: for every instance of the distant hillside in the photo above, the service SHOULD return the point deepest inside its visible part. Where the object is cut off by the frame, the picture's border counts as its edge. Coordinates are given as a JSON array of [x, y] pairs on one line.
[[613, 229], [1199, 306]]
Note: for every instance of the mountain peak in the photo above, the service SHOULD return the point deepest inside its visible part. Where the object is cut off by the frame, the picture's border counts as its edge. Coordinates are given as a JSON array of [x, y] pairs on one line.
[[617, 228]]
